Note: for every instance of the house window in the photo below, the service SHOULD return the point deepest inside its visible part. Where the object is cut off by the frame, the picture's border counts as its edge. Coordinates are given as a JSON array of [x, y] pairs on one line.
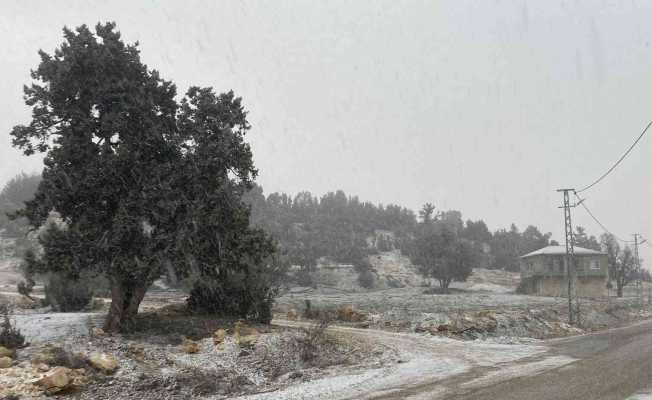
[[595, 264], [556, 267]]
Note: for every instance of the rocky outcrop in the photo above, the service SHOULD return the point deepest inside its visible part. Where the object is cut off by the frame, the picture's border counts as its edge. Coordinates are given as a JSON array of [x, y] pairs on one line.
[[393, 269]]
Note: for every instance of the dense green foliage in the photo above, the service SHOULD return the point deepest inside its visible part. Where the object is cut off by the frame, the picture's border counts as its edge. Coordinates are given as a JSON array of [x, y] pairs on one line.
[[508, 245], [334, 226], [67, 294], [339, 227], [439, 249], [144, 184]]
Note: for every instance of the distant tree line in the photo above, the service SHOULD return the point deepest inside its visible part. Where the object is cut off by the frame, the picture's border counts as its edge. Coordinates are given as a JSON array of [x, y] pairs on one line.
[[13, 196], [343, 229], [334, 226], [337, 226]]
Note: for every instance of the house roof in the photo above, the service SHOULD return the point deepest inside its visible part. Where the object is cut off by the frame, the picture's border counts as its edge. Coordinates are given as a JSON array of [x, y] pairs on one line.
[[560, 250]]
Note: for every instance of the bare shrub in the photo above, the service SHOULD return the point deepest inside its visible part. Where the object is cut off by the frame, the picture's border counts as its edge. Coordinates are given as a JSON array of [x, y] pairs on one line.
[[10, 336], [58, 356], [313, 338]]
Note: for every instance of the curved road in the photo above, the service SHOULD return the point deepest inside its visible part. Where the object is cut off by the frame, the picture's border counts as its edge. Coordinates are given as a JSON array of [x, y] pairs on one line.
[[611, 365]]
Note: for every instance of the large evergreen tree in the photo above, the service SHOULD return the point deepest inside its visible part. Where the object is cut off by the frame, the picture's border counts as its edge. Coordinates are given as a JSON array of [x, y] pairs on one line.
[[140, 182]]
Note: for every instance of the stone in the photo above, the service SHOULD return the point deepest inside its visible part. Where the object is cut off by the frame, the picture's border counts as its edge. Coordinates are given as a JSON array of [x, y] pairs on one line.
[[5, 362], [56, 380], [43, 367], [136, 351], [219, 336], [247, 340], [97, 332], [190, 346], [292, 315], [104, 362], [5, 352], [245, 336]]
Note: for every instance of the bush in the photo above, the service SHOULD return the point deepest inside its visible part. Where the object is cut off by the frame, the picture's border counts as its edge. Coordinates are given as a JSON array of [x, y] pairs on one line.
[[10, 336], [234, 297], [66, 294], [313, 338], [25, 287], [525, 286], [58, 356], [366, 277]]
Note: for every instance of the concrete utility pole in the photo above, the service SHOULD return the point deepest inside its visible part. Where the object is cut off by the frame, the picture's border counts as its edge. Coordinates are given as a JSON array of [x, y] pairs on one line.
[[570, 252], [637, 261]]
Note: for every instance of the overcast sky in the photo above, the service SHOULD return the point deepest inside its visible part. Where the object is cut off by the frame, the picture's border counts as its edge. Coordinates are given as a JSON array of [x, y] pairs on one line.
[[482, 106]]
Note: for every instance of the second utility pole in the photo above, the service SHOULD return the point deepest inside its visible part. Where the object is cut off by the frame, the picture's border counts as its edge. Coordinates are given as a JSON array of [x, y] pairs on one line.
[[570, 250], [639, 283]]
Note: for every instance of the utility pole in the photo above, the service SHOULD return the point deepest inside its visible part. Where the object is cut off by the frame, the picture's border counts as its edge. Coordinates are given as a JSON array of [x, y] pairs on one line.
[[570, 252], [637, 261]]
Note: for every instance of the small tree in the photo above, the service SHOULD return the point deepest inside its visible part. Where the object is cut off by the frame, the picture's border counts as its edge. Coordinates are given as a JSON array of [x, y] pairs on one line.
[[366, 277], [622, 265], [625, 270], [441, 254]]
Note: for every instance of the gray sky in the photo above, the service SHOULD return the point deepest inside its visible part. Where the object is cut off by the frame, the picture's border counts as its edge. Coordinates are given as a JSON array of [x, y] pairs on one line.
[[482, 106]]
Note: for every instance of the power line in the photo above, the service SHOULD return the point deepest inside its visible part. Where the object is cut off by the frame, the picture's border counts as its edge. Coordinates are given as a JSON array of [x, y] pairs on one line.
[[647, 242], [619, 160], [604, 228]]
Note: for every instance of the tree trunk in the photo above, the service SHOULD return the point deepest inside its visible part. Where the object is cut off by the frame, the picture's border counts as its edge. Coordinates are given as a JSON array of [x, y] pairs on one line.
[[619, 289], [443, 283], [125, 300]]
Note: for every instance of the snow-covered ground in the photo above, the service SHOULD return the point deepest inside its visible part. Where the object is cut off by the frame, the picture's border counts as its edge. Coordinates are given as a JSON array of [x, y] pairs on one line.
[[423, 359], [641, 396], [53, 327]]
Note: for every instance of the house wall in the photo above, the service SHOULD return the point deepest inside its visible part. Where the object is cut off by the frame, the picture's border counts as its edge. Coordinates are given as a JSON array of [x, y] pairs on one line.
[[558, 286], [548, 281]]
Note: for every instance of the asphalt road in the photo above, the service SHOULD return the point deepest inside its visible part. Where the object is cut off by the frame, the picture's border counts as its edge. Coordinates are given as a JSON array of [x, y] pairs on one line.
[[611, 365]]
